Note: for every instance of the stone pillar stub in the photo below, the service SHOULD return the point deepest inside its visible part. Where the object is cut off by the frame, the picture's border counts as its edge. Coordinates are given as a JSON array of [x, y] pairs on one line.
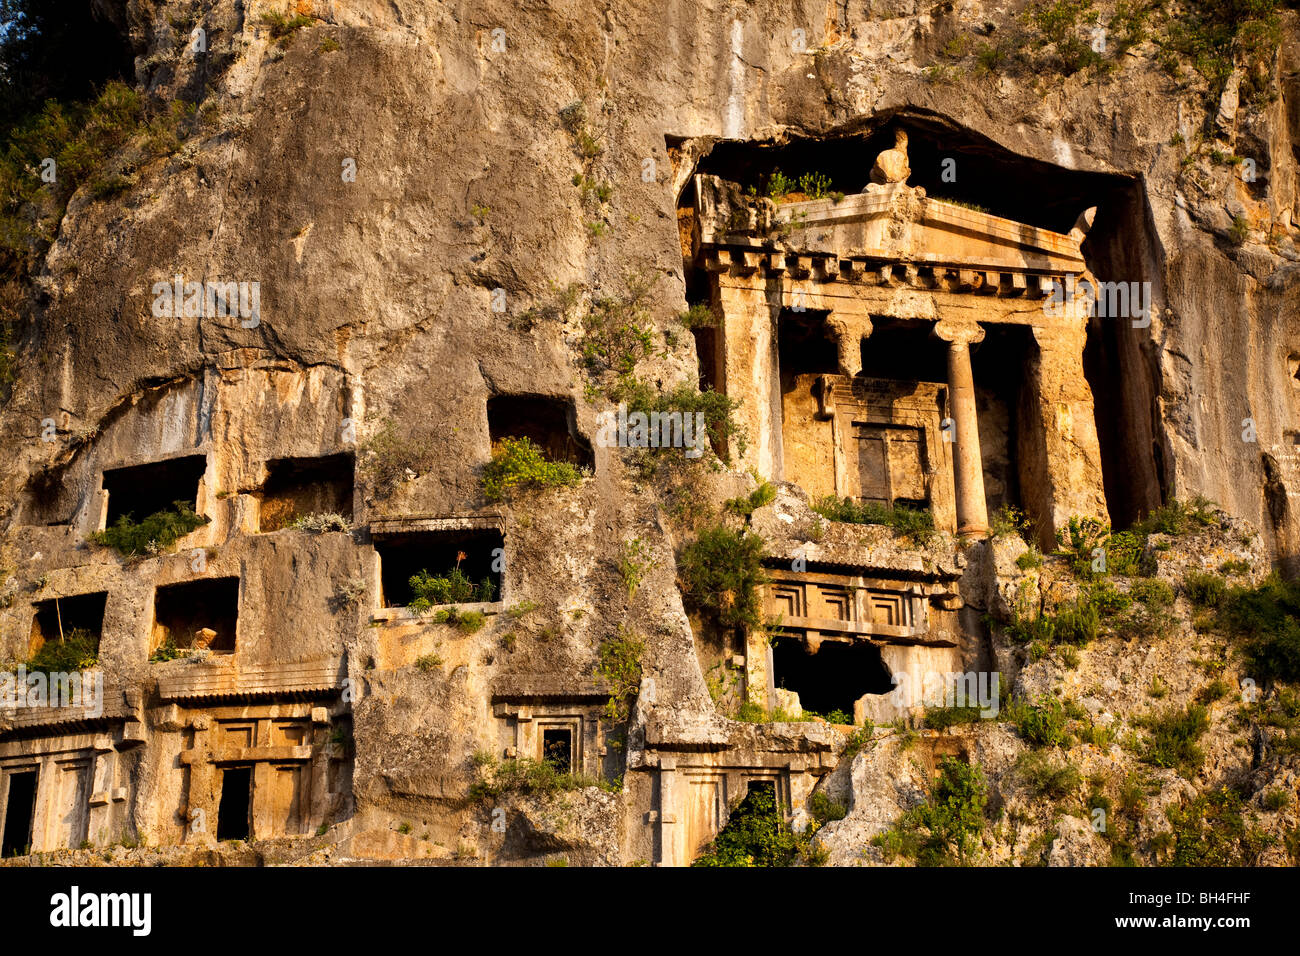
[[1060, 453], [848, 332], [967, 463]]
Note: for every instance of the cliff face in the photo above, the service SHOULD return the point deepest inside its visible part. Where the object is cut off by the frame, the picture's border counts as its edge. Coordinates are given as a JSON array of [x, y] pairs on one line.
[[428, 202]]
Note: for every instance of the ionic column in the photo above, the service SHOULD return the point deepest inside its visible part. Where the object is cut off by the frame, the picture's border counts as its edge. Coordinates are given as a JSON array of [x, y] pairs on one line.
[[967, 465]]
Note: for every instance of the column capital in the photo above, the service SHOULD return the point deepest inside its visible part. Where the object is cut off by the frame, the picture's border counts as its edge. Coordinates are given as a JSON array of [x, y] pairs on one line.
[[848, 332], [958, 333]]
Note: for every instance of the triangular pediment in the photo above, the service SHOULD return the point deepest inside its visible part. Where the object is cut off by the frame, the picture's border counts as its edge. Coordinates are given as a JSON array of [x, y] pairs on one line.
[[896, 223]]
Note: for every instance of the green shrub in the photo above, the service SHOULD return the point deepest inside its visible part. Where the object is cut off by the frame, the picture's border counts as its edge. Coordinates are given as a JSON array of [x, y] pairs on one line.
[[1033, 558], [518, 464], [825, 810], [619, 666], [454, 587], [1124, 552], [1107, 599], [945, 829], [756, 834], [1152, 593], [858, 740], [283, 27], [469, 622], [1276, 799], [991, 57], [429, 662], [1216, 36], [633, 565], [1211, 830], [1059, 24], [1008, 521], [617, 332], [386, 459], [720, 574], [1266, 621], [1041, 723], [1046, 778], [815, 185], [1204, 590], [1177, 518], [726, 435], [167, 651], [154, 534], [521, 609], [524, 776], [746, 505], [321, 523], [699, 316], [909, 522], [77, 651], [1079, 540], [1172, 737], [778, 185], [941, 718]]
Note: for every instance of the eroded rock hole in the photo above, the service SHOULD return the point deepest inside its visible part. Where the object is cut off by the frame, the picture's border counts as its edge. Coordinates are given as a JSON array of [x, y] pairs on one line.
[[829, 675], [197, 615], [20, 808], [457, 560], [234, 812], [298, 487], [550, 423], [142, 490], [57, 618]]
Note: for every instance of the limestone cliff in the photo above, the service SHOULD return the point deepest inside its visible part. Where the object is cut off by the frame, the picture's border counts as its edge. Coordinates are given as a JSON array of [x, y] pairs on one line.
[[436, 226]]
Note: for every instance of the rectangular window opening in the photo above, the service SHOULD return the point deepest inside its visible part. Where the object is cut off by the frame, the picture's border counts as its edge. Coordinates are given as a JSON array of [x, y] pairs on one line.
[[20, 809], [298, 487], [142, 490], [234, 812], [550, 423], [439, 555], [197, 615], [557, 748], [58, 619]]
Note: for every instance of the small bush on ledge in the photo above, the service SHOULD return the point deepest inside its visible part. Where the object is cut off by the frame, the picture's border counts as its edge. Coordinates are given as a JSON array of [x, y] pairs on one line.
[[77, 651], [451, 588], [910, 522], [154, 534], [321, 523], [517, 463], [386, 459], [524, 775]]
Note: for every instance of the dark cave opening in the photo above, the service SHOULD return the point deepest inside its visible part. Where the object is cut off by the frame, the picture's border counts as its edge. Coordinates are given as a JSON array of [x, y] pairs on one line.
[[296, 487], [557, 748], [550, 423], [61, 616], [183, 612], [141, 490], [235, 810], [20, 809], [830, 676], [478, 554]]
